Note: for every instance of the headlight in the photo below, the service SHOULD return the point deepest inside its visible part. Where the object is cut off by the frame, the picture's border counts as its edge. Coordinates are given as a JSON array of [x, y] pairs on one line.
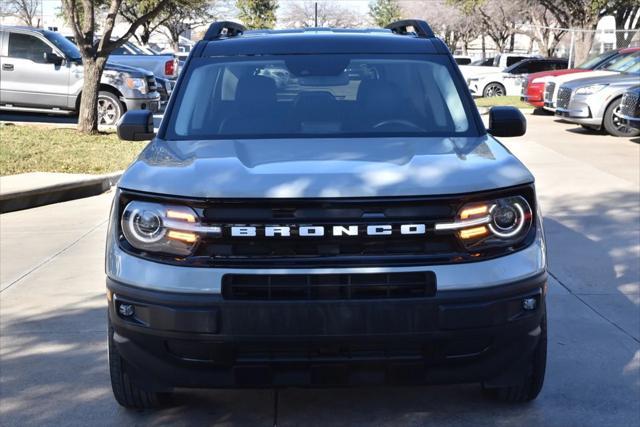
[[136, 83], [500, 222], [168, 229], [590, 90]]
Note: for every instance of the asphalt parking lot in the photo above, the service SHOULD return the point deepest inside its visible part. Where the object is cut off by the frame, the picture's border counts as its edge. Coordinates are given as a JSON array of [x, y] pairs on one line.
[[53, 319]]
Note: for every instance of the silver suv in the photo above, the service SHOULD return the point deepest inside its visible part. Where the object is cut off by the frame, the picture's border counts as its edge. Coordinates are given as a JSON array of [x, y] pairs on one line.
[[324, 208], [41, 71]]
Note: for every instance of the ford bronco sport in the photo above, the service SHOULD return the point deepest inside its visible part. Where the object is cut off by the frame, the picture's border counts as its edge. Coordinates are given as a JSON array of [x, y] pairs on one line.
[[324, 208]]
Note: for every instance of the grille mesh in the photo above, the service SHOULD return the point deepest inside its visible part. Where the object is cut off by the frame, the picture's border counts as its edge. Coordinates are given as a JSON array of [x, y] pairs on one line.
[[564, 96], [630, 105], [549, 88], [328, 286]]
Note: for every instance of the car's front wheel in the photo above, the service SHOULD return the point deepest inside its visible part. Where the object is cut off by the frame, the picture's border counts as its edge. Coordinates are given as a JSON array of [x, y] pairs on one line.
[[613, 124], [110, 109], [127, 392], [531, 384], [494, 89]]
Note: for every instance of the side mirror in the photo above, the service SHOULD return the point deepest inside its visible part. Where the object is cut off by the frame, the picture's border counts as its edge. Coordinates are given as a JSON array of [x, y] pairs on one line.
[[506, 121], [53, 58], [136, 125]]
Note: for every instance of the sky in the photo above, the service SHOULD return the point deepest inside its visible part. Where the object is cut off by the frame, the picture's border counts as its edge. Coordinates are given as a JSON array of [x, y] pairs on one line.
[[50, 7]]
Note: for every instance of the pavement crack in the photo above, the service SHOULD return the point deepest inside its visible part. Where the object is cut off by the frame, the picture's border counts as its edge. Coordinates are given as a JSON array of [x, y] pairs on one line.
[[577, 296], [54, 256]]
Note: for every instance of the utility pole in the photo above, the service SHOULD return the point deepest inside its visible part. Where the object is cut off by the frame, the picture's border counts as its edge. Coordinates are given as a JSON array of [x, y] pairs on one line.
[[316, 14]]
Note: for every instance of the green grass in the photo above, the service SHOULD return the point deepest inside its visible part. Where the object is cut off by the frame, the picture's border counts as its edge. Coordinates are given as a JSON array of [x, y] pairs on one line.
[[47, 149], [513, 101]]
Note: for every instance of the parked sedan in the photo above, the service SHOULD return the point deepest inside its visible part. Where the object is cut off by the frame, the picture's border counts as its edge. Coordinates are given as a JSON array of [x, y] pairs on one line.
[[595, 102], [618, 64], [533, 86], [630, 108]]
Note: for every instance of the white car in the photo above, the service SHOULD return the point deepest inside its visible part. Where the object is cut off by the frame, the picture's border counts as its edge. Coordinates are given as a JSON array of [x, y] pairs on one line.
[[508, 81]]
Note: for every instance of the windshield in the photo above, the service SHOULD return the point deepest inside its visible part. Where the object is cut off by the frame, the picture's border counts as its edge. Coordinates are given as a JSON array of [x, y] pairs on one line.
[[590, 64], [67, 47], [320, 95], [624, 63]]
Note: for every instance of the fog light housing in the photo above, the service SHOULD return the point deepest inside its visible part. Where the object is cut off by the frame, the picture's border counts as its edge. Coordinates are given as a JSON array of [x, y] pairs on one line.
[[529, 304], [126, 310]]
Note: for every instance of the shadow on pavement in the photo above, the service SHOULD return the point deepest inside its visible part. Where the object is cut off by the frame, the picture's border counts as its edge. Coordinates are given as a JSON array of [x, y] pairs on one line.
[[54, 366]]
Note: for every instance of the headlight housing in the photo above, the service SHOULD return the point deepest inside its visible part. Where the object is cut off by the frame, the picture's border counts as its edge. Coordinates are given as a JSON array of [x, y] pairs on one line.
[[591, 89], [168, 229], [495, 223], [137, 83]]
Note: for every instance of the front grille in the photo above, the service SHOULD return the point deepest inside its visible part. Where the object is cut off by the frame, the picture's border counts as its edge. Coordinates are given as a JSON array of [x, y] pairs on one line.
[[564, 96], [630, 105], [151, 82], [327, 250], [328, 286], [549, 88]]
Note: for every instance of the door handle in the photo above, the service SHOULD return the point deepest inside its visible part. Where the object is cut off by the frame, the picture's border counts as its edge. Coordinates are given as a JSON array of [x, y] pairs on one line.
[[7, 67]]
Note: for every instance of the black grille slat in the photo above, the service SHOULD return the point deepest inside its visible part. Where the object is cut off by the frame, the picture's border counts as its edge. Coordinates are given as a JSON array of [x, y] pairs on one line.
[[151, 81], [328, 286]]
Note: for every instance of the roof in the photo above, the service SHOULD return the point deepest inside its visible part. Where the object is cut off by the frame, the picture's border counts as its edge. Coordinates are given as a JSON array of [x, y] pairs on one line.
[[322, 40]]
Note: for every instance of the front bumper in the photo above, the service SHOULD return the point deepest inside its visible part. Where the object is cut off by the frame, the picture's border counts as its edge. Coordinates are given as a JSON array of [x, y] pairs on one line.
[[533, 95], [581, 110], [630, 121], [151, 103], [187, 340]]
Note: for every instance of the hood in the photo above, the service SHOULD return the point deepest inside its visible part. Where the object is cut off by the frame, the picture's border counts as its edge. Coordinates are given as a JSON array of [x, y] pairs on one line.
[[120, 68], [291, 168], [569, 77], [624, 79], [547, 75]]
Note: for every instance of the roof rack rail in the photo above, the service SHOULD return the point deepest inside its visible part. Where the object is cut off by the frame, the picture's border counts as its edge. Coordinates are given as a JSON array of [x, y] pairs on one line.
[[224, 29], [420, 28]]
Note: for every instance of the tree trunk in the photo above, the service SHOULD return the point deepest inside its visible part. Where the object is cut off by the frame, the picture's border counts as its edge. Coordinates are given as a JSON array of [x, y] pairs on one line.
[[88, 114], [583, 41]]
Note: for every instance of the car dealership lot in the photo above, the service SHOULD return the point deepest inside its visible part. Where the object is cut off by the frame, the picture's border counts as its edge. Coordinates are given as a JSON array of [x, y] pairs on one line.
[[53, 326]]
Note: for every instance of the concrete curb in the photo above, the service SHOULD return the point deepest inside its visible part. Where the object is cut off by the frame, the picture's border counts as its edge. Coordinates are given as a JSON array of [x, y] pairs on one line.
[[45, 195]]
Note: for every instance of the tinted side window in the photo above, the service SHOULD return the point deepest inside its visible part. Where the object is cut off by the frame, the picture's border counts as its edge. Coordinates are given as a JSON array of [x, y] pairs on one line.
[[513, 59], [541, 66], [523, 68], [27, 47]]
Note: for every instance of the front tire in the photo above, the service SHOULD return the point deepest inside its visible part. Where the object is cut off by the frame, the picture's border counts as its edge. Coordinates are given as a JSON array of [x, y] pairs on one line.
[[494, 89], [110, 109], [531, 385], [125, 391], [612, 123]]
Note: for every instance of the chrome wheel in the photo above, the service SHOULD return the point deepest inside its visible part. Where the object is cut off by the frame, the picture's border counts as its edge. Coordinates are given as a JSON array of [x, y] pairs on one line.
[[109, 111], [494, 89]]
